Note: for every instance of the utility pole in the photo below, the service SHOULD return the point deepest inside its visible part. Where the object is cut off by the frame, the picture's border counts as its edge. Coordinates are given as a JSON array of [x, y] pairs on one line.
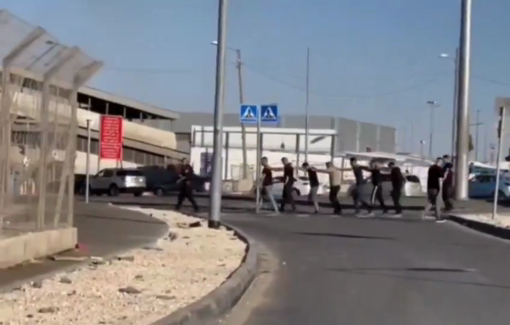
[[432, 105], [461, 163], [219, 100], [307, 118], [485, 143], [455, 94], [411, 148], [476, 133], [241, 101]]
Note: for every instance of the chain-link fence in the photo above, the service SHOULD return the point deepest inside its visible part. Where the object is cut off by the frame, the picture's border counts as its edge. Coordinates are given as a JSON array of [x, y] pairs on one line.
[[38, 126]]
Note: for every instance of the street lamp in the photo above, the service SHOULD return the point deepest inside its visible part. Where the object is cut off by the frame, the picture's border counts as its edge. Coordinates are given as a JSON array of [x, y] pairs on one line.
[[464, 62], [433, 105], [219, 100], [87, 161], [455, 92], [241, 101]]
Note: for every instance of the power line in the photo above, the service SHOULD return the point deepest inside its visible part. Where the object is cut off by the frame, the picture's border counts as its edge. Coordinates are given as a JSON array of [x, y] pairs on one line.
[[492, 81], [160, 71], [383, 94], [150, 70]]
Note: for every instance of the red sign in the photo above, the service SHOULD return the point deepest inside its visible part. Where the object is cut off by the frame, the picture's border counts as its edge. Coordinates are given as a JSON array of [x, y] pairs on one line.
[[111, 137]]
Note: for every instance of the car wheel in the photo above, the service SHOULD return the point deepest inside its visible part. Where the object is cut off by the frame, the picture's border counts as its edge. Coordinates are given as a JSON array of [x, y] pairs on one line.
[[296, 192], [159, 192], [113, 190]]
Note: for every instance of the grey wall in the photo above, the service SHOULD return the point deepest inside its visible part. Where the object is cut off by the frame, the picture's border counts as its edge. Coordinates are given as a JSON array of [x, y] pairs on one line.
[[352, 135]]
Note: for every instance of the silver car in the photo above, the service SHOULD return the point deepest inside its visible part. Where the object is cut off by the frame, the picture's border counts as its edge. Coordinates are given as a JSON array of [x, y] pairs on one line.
[[113, 181], [412, 187]]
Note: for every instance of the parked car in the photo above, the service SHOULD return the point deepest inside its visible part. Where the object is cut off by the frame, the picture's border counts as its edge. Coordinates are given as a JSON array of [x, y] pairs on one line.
[[162, 181], [483, 186], [113, 181], [412, 187]]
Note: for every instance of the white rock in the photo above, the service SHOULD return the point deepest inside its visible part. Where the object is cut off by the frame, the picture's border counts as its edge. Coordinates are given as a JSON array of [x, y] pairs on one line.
[[187, 269]]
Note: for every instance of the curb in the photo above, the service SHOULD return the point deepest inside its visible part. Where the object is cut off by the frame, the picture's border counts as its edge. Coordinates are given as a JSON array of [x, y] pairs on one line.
[[483, 227], [221, 300]]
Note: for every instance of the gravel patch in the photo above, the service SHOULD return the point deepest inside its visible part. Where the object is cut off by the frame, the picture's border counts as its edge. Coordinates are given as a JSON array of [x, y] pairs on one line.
[[136, 288], [501, 220]]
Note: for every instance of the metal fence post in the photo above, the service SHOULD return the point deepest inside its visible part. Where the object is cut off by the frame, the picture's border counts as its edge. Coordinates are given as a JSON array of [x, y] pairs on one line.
[[44, 129], [5, 119]]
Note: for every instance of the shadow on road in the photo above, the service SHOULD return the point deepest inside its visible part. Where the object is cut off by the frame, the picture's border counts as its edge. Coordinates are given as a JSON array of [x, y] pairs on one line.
[[348, 236], [393, 273]]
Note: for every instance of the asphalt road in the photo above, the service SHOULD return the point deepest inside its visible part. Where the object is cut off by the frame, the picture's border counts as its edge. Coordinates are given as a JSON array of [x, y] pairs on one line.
[[244, 204], [377, 271], [102, 230]]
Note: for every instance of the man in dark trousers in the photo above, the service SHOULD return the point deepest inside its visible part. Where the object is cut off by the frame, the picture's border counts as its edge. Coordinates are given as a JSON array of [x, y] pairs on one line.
[[185, 185], [335, 182], [314, 185], [447, 183], [397, 183], [377, 193], [288, 185], [356, 193], [434, 184]]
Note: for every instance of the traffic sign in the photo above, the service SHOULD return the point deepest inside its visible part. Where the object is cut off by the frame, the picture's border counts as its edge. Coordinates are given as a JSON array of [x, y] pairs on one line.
[[248, 114], [269, 113]]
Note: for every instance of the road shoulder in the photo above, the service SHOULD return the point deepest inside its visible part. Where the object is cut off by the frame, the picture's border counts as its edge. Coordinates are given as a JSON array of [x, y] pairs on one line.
[[484, 223]]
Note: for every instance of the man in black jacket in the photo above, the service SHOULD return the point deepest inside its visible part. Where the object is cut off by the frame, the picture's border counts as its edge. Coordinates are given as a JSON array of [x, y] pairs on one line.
[[185, 185], [288, 185], [397, 183], [447, 183]]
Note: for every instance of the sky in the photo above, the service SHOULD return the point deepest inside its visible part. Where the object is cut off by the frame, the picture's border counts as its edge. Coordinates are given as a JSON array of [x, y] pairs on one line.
[[375, 61]]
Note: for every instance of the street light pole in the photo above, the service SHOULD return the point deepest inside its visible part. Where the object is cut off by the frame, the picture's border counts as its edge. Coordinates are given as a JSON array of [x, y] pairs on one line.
[[216, 183], [87, 164], [239, 64], [307, 118], [433, 105], [241, 101], [455, 94], [461, 163], [476, 133]]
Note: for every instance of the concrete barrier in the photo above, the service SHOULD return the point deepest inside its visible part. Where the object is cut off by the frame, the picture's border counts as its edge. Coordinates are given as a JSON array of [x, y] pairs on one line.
[[18, 249]]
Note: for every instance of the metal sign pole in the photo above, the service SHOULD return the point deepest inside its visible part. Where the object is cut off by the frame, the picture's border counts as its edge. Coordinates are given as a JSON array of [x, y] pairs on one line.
[[257, 163], [498, 160], [87, 165]]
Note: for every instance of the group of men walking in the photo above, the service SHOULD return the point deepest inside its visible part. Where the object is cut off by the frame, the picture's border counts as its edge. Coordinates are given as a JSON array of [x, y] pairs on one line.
[[440, 181]]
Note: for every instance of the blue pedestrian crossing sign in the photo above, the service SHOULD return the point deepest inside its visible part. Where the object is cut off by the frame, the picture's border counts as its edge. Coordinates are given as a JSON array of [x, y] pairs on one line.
[[269, 113], [248, 113]]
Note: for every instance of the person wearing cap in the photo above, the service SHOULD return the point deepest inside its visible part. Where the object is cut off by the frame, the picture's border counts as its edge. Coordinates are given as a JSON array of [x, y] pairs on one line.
[[314, 185]]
